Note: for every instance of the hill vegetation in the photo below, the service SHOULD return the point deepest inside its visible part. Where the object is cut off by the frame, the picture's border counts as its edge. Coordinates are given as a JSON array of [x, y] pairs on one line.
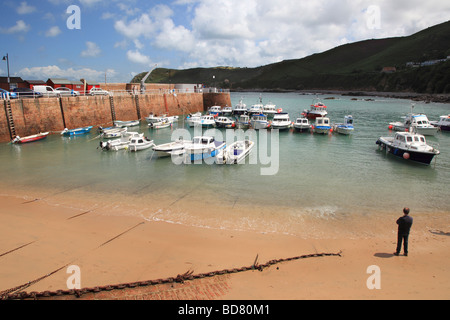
[[354, 66]]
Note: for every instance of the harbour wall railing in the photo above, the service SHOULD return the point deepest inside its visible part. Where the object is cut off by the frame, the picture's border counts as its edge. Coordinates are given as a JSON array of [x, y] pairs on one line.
[[24, 117]]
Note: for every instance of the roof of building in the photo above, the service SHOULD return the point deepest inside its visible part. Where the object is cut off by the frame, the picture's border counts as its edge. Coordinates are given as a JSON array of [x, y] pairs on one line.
[[59, 81]]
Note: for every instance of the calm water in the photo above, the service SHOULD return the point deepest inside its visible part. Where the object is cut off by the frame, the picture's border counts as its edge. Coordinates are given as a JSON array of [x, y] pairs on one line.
[[319, 177]]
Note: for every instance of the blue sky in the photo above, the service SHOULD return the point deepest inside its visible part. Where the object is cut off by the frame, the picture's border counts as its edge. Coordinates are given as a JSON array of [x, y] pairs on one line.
[[123, 38]]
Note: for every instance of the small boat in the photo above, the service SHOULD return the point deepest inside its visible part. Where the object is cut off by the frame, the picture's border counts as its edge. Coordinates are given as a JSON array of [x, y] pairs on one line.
[[225, 122], [121, 143], [202, 147], [113, 132], [206, 121], [153, 118], [302, 124], [140, 143], [255, 109], [269, 109], [192, 118], [345, 128], [443, 124], [240, 108], [76, 132], [215, 111], [171, 148], [243, 122], [227, 111], [123, 124], [418, 122], [163, 123], [33, 138], [259, 121], [322, 125], [317, 110], [235, 153], [281, 121], [409, 146]]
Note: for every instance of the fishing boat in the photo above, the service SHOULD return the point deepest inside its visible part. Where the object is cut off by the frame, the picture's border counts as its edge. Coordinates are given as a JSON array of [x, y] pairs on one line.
[[123, 124], [243, 122], [215, 111], [235, 153], [302, 124], [322, 125], [345, 128], [76, 132], [317, 110], [418, 122], [121, 143], [269, 109], [33, 138], [113, 132], [240, 108], [206, 121], [259, 121], [443, 124], [171, 148], [163, 123], [140, 143], [409, 146], [202, 147], [255, 109], [281, 121], [224, 122], [227, 111], [192, 118]]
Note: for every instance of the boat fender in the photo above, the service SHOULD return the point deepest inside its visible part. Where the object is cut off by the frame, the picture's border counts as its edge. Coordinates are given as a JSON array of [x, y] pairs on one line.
[[406, 156]]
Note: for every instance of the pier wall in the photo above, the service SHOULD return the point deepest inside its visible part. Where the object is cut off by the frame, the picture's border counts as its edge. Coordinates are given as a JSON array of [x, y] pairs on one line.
[[31, 116]]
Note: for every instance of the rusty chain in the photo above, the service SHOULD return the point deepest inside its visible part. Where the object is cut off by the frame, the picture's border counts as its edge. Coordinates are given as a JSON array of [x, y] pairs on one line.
[[17, 293]]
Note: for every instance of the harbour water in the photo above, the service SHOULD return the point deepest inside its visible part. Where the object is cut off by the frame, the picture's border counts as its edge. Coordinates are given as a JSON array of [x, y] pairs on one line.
[[320, 179]]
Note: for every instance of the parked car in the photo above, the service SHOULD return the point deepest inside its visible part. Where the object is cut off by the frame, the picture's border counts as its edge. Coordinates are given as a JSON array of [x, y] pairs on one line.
[[46, 91], [98, 91], [6, 94], [26, 93], [67, 92]]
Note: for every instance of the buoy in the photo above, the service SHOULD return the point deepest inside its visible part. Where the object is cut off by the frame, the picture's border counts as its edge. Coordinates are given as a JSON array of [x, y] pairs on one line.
[[406, 156], [391, 127]]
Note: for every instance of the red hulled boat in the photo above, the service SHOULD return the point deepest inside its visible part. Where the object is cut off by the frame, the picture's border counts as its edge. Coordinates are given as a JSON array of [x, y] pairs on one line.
[[32, 138]]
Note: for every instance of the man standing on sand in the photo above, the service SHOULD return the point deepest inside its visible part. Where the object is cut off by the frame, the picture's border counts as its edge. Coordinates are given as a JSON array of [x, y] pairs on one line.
[[404, 225]]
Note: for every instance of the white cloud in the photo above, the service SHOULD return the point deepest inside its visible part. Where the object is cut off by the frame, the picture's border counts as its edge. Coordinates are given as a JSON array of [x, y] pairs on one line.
[[44, 73], [24, 8], [53, 32], [92, 50], [137, 57], [20, 26]]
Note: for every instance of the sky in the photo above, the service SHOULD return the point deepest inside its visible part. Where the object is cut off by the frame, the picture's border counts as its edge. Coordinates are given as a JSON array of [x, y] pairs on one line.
[[117, 39]]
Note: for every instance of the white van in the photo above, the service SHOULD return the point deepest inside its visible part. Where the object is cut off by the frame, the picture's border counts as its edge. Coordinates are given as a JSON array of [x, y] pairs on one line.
[[47, 91]]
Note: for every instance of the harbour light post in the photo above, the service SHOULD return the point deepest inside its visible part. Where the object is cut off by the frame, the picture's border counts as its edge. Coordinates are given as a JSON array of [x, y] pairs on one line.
[[6, 58]]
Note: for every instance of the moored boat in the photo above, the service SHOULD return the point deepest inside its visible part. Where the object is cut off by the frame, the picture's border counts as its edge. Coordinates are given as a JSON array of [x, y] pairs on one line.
[[113, 132], [443, 124], [409, 146], [322, 125], [317, 110], [302, 124], [123, 124], [193, 118], [163, 123], [269, 109], [76, 132], [417, 122], [259, 121], [227, 111], [171, 148], [140, 143], [215, 111], [32, 138], [224, 122], [121, 143], [281, 121], [202, 147], [243, 121], [235, 153], [240, 108], [345, 128]]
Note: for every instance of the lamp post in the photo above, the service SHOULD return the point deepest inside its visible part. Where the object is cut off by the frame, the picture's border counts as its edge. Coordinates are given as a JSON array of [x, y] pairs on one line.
[[6, 58]]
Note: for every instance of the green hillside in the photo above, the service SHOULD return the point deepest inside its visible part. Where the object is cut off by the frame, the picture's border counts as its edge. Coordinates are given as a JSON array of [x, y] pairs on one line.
[[355, 66]]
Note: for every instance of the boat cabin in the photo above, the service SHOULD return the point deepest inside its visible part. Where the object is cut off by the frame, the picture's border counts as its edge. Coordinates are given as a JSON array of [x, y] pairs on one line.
[[203, 140]]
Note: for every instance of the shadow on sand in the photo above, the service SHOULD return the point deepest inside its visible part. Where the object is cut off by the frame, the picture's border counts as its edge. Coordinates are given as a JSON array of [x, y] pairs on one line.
[[383, 255]]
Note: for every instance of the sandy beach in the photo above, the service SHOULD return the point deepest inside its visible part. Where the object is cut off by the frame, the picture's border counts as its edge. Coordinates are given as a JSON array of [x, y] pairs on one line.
[[38, 237]]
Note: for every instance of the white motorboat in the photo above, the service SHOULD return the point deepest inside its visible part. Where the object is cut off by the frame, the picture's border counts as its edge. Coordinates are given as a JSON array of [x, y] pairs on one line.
[[153, 118], [215, 111], [171, 148], [123, 124], [191, 119], [345, 128], [255, 109], [259, 121], [140, 143], [317, 110], [243, 122], [270, 109], [443, 124], [121, 143], [302, 124], [322, 125], [409, 146], [114, 132], [240, 108], [227, 111], [235, 153], [417, 122], [224, 122], [281, 121], [202, 147], [206, 121], [163, 123]]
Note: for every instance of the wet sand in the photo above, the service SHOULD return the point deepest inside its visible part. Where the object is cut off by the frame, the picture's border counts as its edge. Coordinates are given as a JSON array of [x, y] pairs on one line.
[[38, 237]]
